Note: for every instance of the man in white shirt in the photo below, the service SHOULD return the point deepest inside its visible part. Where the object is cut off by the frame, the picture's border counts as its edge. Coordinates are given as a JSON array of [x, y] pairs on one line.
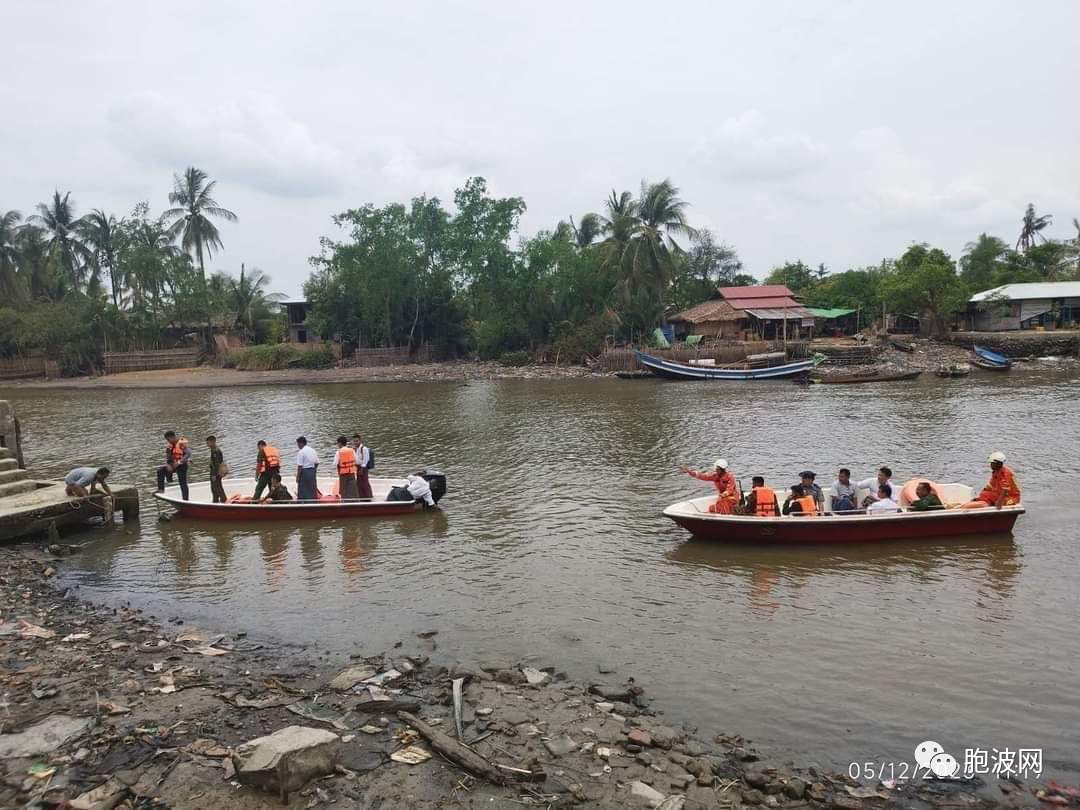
[[884, 502], [420, 489], [871, 485], [307, 463], [363, 459]]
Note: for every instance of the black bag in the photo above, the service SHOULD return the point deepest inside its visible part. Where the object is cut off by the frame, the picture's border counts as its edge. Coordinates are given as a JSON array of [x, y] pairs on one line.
[[399, 494], [370, 459]]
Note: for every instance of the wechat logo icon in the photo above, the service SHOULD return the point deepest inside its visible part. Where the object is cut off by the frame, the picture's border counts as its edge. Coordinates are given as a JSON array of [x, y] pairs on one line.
[[932, 756]]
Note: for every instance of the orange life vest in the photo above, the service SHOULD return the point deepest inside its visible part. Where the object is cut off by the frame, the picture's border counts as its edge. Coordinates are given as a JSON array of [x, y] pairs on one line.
[[177, 450], [808, 504], [346, 464], [272, 460], [764, 502]]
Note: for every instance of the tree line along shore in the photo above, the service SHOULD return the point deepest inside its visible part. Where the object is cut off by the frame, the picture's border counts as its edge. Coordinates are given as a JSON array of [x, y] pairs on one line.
[[462, 279]]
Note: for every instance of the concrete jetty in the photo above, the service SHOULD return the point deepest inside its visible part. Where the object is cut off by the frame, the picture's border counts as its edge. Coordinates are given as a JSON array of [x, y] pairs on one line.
[[30, 506]]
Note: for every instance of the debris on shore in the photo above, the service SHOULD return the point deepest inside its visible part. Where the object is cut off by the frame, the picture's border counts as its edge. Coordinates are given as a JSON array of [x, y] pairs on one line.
[[105, 707]]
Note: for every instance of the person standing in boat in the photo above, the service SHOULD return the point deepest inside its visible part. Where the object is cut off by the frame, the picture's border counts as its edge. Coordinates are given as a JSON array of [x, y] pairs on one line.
[[727, 495], [1001, 490], [217, 470], [307, 465], [364, 462], [177, 456], [267, 462], [345, 464]]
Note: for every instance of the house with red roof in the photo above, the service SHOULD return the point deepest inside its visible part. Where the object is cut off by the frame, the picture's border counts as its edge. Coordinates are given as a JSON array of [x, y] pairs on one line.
[[747, 313]]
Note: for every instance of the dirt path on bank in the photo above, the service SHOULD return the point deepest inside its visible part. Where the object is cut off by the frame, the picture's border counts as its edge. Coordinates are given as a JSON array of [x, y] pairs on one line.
[[212, 377]]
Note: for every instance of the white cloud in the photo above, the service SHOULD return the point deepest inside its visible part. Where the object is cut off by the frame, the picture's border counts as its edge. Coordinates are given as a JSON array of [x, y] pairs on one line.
[[248, 139], [742, 149]]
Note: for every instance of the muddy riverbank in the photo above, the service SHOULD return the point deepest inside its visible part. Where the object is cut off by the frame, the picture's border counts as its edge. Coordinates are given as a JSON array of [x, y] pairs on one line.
[[106, 704]]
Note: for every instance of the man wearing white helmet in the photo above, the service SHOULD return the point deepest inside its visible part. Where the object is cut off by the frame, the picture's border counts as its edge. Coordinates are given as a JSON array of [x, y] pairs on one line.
[[727, 495], [1002, 488]]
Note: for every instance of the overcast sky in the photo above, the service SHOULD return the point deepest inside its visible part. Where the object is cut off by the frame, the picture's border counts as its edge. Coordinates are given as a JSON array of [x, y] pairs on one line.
[[834, 132]]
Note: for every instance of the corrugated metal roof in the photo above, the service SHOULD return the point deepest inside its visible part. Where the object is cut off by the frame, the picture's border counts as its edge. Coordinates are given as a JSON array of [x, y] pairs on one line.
[[835, 312], [1038, 289], [780, 313], [761, 291]]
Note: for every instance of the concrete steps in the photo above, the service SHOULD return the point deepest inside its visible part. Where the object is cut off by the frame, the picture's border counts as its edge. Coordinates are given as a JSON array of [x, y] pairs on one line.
[[8, 464], [10, 476], [16, 488]]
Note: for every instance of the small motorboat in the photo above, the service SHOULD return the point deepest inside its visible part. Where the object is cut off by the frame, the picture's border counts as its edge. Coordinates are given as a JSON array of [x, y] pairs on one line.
[[902, 345], [200, 502], [700, 371], [694, 516], [847, 379], [985, 358], [953, 370]]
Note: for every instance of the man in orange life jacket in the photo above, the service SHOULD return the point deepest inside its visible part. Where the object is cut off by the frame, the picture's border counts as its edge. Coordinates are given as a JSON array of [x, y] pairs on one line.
[[799, 502], [267, 463], [345, 464], [726, 491], [761, 501], [177, 456], [1001, 490]]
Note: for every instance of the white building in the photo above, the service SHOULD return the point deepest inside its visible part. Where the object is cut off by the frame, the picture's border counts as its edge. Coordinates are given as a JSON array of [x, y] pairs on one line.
[[1049, 304]]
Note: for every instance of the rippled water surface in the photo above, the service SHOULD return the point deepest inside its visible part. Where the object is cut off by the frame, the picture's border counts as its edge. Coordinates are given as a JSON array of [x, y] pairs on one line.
[[551, 544]]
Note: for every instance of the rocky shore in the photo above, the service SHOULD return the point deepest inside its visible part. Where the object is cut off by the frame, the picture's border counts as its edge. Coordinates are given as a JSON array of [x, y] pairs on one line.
[[107, 707]]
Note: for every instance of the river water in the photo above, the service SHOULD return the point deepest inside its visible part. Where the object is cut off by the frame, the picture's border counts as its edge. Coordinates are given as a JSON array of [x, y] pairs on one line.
[[551, 545]]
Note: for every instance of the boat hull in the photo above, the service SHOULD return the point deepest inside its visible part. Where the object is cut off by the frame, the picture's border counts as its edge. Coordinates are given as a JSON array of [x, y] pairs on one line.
[[682, 371], [200, 505], [991, 359], [852, 380], [854, 529]]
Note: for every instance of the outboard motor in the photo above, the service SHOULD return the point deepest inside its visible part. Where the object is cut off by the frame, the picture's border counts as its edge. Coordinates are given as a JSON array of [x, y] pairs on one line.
[[437, 481]]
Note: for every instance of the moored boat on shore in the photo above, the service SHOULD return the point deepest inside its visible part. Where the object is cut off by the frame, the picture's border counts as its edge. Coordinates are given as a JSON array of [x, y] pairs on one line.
[[985, 358], [694, 516], [200, 501], [684, 371]]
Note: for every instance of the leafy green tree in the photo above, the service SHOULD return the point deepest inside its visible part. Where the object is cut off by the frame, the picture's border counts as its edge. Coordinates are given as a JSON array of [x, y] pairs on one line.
[[250, 299], [796, 276], [705, 267], [982, 262], [852, 289], [11, 283], [1031, 228], [68, 256], [190, 220], [925, 284]]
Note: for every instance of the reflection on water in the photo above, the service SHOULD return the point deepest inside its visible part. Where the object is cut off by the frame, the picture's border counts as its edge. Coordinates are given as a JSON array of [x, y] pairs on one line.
[[551, 544]]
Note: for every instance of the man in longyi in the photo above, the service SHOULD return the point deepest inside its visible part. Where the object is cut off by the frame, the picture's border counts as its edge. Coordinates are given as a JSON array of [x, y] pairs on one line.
[[1001, 490], [727, 491]]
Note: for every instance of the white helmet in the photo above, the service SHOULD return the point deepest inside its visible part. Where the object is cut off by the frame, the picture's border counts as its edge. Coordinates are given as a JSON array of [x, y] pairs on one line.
[[721, 464], [997, 456]]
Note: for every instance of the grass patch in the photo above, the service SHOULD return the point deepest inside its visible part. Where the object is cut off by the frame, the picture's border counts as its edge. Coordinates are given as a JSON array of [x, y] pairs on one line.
[[272, 357]]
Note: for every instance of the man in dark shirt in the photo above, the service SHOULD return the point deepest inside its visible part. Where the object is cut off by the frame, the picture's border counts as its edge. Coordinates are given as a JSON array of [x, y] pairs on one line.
[[278, 491], [926, 500], [217, 464]]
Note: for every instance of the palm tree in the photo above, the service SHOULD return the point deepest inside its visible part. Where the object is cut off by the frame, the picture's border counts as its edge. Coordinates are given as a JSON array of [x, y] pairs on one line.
[[192, 195], [249, 298], [1030, 233], [101, 234], [10, 281], [648, 261], [67, 254], [34, 258]]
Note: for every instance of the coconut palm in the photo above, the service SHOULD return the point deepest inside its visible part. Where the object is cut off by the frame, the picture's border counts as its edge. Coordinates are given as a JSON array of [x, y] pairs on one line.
[[101, 234], [11, 286], [67, 254], [32, 244], [1031, 231], [190, 220], [648, 260], [249, 298]]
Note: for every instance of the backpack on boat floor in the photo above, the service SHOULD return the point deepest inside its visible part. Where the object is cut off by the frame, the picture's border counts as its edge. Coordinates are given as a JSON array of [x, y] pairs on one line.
[[399, 494]]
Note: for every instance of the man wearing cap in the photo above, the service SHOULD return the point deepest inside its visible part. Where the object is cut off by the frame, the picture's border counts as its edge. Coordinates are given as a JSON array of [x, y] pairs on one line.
[[813, 490], [727, 495], [1002, 488]]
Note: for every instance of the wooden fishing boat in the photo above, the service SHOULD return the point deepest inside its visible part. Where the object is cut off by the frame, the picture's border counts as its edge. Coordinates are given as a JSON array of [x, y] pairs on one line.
[[953, 370], [694, 516], [848, 379], [200, 501], [684, 371], [901, 345], [986, 358]]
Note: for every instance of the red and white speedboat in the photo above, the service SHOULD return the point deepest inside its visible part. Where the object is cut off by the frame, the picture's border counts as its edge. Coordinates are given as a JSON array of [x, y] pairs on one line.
[[200, 502], [694, 516]]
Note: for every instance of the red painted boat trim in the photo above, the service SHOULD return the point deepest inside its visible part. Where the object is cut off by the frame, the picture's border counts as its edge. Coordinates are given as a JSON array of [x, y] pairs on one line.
[[856, 529]]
